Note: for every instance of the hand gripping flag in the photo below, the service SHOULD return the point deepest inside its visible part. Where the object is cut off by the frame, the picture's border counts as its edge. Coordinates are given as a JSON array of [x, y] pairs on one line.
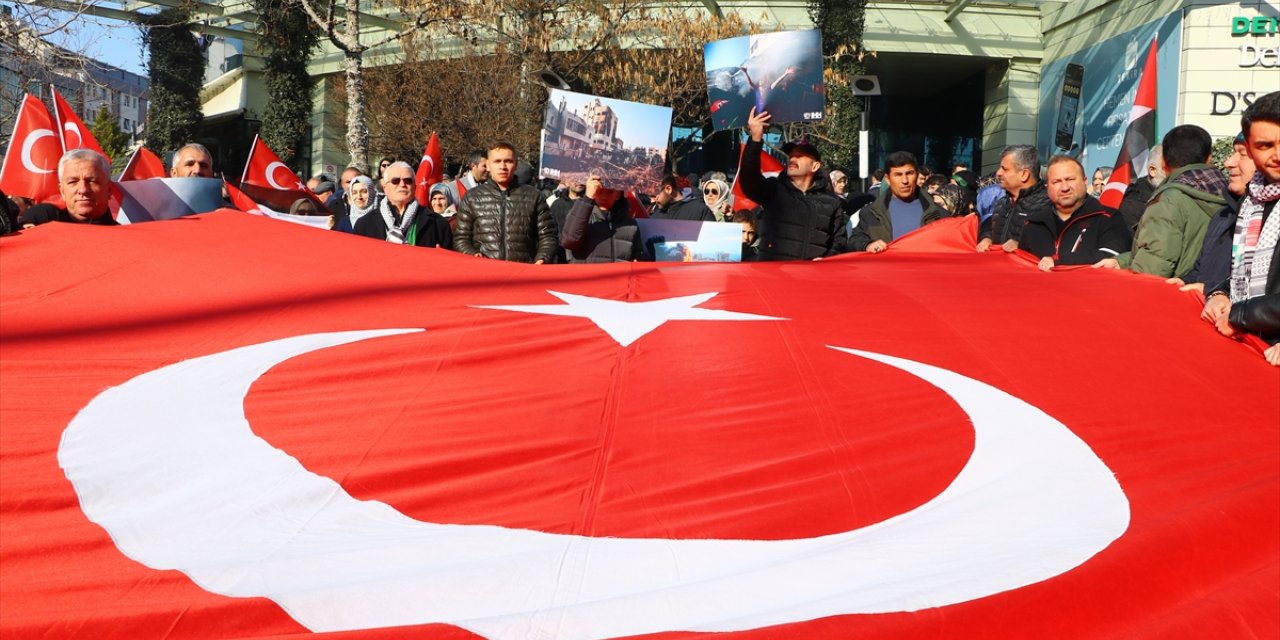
[[769, 168], [72, 131], [143, 164], [30, 167], [430, 171], [722, 451], [268, 181], [1139, 136]]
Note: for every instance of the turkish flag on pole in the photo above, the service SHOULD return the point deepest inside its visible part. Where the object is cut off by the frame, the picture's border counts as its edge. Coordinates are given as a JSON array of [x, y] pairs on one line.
[[269, 181], [430, 170], [74, 134], [769, 167], [143, 164], [245, 449], [30, 167], [1139, 136]]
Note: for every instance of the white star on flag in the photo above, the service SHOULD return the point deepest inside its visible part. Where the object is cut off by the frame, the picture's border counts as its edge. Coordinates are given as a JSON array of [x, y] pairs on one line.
[[627, 322]]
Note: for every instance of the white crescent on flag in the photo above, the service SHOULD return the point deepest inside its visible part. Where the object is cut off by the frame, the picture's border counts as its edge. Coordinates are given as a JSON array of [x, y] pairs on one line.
[[193, 489], [27, 145]]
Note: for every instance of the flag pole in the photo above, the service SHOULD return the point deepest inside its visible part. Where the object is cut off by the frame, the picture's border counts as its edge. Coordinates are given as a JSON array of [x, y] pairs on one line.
[[244, 174]]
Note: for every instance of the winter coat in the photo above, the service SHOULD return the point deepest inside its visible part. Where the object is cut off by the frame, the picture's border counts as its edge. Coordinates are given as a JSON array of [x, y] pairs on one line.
[[1172, 230], [513, 225], [1214, 264], [793, 224], [1260, 314], [1010, 216], [591, 234], [1134, 203], [430, 229], [875, 223], [1093, 232], [692, 209]]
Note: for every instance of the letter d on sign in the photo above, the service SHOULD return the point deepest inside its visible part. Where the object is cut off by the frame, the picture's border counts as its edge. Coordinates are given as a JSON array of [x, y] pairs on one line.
[[1222, 112], [1239, 26]]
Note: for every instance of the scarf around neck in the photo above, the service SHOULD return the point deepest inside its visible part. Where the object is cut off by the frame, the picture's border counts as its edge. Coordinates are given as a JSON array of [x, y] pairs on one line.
[[395, 233], [1254, 241]]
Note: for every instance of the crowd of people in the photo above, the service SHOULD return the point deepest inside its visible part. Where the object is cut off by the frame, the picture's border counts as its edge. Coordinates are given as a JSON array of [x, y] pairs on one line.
[[1184, 221]]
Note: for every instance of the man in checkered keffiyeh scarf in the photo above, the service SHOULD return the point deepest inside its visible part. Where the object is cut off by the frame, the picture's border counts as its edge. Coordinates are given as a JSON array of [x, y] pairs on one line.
[[1249, 300]]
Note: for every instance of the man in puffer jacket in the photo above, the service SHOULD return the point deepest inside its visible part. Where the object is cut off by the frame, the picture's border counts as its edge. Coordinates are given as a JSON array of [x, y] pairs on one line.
[[1019, 176], [1079, 230], [903, 208], [801, 219], [503, 220], [1171, 233], [594, 234]]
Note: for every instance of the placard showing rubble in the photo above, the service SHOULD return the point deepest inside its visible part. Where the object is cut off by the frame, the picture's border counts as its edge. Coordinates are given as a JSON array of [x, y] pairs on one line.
[[625, 143]]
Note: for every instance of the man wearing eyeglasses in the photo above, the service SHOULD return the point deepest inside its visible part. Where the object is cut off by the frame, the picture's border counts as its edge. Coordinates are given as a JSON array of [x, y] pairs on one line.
[[800, 218], [399, 219], [501, 219]]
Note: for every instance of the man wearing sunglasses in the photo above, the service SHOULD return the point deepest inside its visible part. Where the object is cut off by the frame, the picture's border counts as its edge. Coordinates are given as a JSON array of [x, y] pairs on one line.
[[800, 218], [502, 219]]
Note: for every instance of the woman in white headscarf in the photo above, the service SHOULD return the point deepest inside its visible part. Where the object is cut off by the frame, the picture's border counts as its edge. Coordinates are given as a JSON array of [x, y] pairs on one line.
[[715, 193], [361, 199]]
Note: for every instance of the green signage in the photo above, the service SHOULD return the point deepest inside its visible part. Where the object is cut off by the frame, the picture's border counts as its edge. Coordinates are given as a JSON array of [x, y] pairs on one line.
[[1257, 25]]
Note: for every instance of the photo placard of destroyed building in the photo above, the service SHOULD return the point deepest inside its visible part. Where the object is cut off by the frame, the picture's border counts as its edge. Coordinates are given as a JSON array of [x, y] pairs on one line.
[[625, 143]]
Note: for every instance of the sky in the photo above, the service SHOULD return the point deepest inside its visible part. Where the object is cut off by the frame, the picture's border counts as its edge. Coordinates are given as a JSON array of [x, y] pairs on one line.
[[116, 43]]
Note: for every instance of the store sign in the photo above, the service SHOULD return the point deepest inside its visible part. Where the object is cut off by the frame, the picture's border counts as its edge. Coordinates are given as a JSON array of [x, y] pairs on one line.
[[1256, 25], [1251, 56], [1229, 102]]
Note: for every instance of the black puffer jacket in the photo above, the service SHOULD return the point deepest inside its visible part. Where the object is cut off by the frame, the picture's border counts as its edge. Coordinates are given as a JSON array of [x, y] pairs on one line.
[[793, 224], [513, 225], [1009, 217], [692, 209], [1260, 314], [875, 223], [1093, 232], [592, 234]]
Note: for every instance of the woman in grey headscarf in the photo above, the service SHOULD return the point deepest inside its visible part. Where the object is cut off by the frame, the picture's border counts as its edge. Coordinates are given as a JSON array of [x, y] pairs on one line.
[[441, 201]]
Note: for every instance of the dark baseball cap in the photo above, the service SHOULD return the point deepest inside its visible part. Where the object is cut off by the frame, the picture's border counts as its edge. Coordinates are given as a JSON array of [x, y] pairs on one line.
[[803, 146]]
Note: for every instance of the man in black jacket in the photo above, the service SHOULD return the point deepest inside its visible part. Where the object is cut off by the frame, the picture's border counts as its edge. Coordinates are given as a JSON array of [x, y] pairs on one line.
[[1019, 175], [1079, 230], [1249, 301], [501, 220], [399, 219], [800, 217], [903, 208], [592, 233], [85, 184]]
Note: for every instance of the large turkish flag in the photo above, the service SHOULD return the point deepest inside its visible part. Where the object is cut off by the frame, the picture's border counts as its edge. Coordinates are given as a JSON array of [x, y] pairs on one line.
[[226, 426]]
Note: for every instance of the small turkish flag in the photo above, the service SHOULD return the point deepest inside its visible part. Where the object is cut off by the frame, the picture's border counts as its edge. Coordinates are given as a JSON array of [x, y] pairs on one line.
[[143, 164], [269, 181], [30, 167], [430, 170], [73, 133], [1139, 136], [769, 167]]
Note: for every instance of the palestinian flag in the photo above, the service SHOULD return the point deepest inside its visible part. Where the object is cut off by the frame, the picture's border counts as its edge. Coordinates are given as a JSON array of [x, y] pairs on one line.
[[1139, 138]]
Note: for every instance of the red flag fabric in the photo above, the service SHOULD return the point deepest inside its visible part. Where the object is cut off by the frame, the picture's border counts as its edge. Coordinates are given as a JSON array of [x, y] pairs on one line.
[[269, 181], [425, 445], [30, 167], [430, 170], [72, 131], [143, 164], [241, 201], [1139, 136], [769, 167], [636, 207]]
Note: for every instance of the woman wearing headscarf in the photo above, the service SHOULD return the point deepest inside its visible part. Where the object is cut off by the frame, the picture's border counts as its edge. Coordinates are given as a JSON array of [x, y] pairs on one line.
[[715, 194], [361, 199], [441, 201], [953, 199]]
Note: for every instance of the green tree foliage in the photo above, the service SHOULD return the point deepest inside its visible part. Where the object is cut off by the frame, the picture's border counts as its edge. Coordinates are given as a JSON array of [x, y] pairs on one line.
[[113, 139], [287, 37], [176, 68], [841, 23]]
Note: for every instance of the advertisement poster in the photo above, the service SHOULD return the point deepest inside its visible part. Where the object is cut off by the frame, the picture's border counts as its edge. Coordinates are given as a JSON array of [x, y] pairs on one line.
[[776, 72], [624, 143], [1086, 97]]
